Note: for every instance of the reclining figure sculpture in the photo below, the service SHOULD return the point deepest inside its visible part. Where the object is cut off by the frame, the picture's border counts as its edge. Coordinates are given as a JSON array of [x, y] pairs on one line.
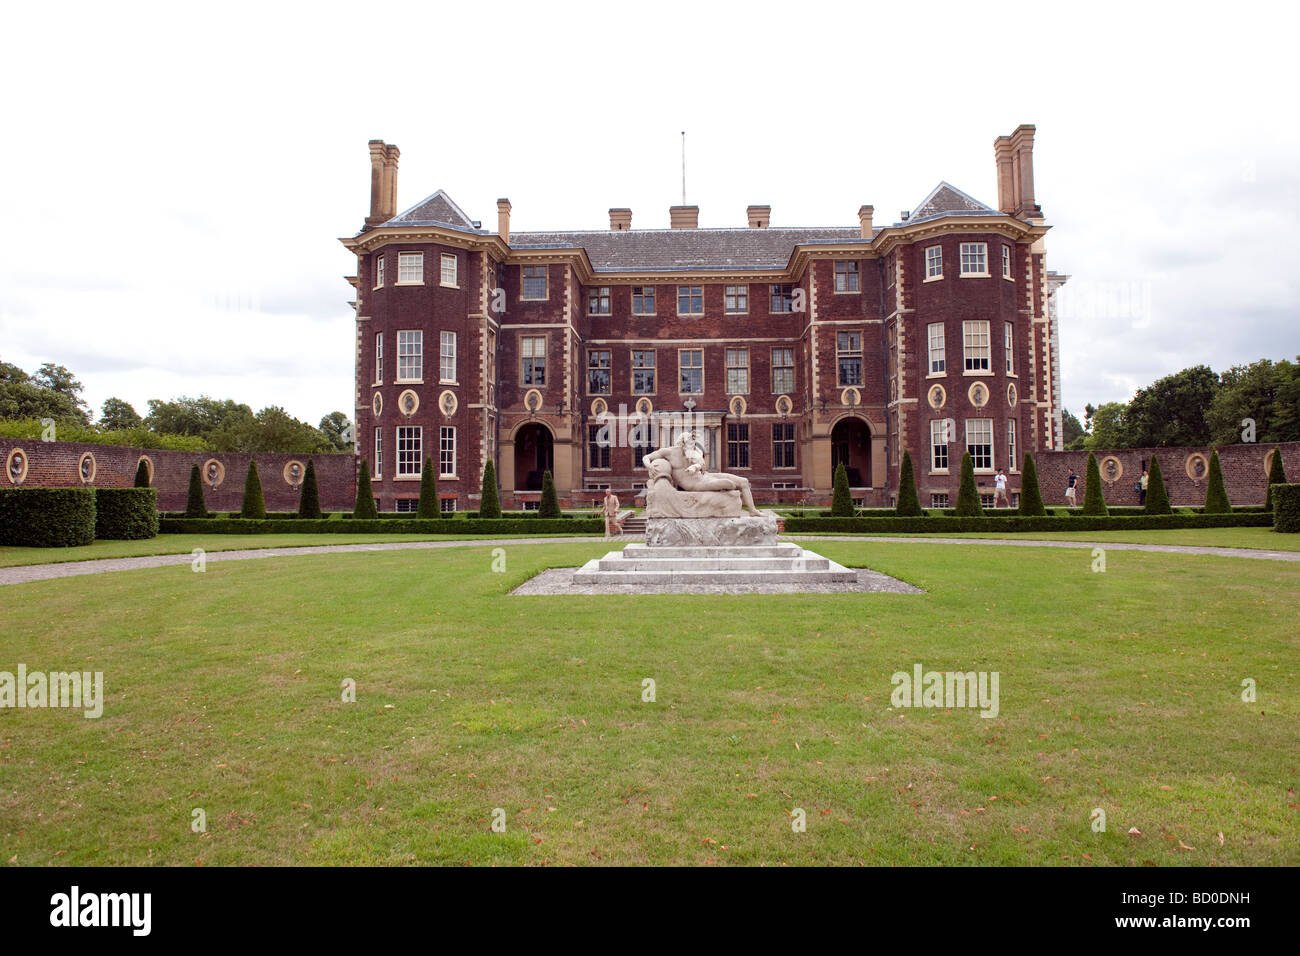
[[679, 486]]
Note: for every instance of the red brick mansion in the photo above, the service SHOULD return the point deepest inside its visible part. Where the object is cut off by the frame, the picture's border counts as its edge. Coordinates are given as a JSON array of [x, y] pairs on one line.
[[787, 350]]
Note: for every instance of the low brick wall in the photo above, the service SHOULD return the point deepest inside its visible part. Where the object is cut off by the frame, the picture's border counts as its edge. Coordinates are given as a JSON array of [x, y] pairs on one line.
[[57, 465], [1244, 472]]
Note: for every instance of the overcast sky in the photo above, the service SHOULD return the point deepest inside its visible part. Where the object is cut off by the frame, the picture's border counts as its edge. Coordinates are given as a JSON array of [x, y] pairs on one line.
[[174, 177]]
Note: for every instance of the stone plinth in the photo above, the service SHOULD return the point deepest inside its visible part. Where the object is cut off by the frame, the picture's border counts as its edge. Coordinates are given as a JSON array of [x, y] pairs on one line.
[[764, 565], [745, 531]]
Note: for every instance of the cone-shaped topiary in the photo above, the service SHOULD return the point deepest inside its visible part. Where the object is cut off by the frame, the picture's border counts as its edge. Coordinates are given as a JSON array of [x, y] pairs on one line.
[[253, 506], [1216, 496], [1031, 499], [968, 498], [365, 503], [428, 506], [491, 501], [142, 475], [842, 499], [550, 504], [908, 503], [309, 495], [1157, 497], [195, 507], [1276, 476], [1094, 502]]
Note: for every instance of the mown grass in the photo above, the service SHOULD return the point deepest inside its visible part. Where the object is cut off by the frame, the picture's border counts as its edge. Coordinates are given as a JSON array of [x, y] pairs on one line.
[[1118, 690], [1265, 539]]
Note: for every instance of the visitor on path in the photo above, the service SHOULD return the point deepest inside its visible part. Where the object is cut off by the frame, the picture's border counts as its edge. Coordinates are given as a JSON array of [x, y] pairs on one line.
[[610, 508], [1142, 491], [1000, 488], [1069, 487]]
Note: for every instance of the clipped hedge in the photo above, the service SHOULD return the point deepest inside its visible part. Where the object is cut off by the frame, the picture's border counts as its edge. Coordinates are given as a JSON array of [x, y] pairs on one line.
[[126, 514], [1286, 507], [520, 526], [47, 517], [1014, 523]]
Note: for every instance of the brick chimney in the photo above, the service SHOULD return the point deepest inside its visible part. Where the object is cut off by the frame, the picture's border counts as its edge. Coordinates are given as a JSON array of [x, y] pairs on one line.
[[1015, 160], [760, 217], [503, 220], [684, 217], [865, 214], [620, 220], [383, 182]]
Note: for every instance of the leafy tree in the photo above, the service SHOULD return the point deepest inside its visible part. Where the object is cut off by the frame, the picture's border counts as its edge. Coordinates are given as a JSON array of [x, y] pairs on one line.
[[1276, 476], [1284, 424], [57, 379], [271, 430], [1031, 498], [254, 506], [428, 506], [968, 496], [491, 501], [22, 397], [1071, 429], [842, 498], [1172, 410], [549, 506], [118, 415], [1216, 495], [365, 503], [194, 504], [1107, 426], [1094, 502], [309, 496], [141, 475], [337, 429], [200, 416], [1245, 392], [1157, 497], [908, 502]]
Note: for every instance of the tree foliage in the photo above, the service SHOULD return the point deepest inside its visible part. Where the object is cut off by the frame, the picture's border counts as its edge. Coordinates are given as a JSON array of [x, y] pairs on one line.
[[1031, 497], [364, 507], [118, 415], [490, 506], [549, 506], [1157, 497], [1094, 501], [968, 496], [908, 502], [842, 498]]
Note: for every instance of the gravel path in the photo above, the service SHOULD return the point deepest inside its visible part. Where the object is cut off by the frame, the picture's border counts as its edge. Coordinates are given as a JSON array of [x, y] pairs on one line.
[[44, 572]]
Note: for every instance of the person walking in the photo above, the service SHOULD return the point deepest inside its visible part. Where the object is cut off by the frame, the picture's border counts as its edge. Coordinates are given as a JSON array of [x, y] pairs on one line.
[[1000, 488], [1069, 488], [610, 508]]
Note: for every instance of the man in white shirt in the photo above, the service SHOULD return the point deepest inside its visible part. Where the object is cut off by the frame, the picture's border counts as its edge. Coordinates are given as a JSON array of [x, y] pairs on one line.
[[1000, 488], [610, 508]]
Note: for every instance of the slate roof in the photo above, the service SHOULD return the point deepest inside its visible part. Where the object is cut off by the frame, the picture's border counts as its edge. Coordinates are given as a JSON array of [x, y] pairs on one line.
[[946, 200], [436, 210]]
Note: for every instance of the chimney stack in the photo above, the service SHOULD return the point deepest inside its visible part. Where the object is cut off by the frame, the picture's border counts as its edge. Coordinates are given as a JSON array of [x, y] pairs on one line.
[[383, 182], [503, 220], [684, 217], [1015, 160], [760, 217], [620, 220], [865, 214]]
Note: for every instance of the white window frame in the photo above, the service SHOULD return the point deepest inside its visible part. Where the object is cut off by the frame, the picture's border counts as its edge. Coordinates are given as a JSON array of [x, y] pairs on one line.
[[841, 353], [783, 368], [447, 506], [379, 358], [448, 259], [741, 371], [379, 270], [447, 358], [1008, 347], [379, 453], [1006, 262], [593, 355], [545, 278], [973, 433], [933, 263], [415, 443], [938, 447], [410, 264], [974, 254], [446, 450], [1011, 445], [525, 348], [973, 350], [936, 345], [418, 355], [652, 368], [735, 300], [681, 353]]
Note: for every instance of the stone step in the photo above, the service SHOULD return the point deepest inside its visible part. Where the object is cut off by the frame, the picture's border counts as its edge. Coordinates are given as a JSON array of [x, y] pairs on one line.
[[590, 574], [784, 550], [813, 562]]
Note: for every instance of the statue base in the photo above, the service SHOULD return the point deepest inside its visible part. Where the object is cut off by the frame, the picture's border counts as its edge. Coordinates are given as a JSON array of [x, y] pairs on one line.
[[751, 531]]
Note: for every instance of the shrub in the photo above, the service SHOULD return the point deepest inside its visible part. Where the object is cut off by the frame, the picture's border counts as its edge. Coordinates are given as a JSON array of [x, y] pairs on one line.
[[968, 499], [195, 506], [253, 506], [842, 499], [399, 524], [1157, 497], [141, 475], [1031, 499], [364, 507], [47, 517], [1276, 476], [1286, 508], [428, 506], [908, 503], [1094, 502], [1216, 496], [549, 507], [126, 514], [491, 501], [309, 498], [1012, 523]]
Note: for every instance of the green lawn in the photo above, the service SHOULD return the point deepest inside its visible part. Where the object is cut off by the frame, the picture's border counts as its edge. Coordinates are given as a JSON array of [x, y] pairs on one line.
[[1118, 690], [1263, 538]]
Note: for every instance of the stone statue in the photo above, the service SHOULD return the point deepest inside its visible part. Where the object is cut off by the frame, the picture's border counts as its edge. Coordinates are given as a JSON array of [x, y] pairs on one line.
[[679, 486]]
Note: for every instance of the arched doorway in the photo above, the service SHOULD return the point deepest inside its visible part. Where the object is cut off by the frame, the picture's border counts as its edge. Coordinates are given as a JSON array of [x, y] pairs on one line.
[[851, 447], [534, 454]]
